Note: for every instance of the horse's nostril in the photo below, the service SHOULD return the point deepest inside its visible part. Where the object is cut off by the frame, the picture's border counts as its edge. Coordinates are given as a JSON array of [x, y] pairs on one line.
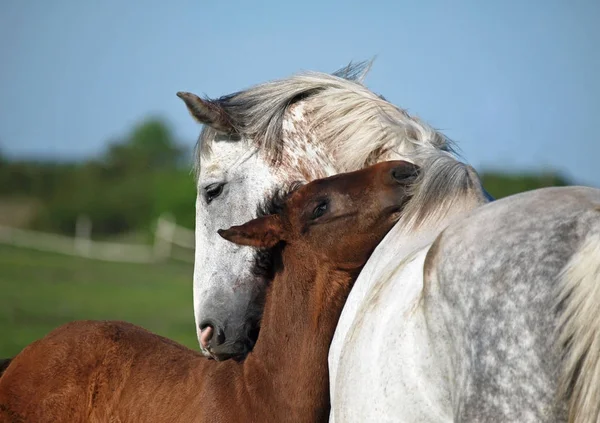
[[220, 338], [211, 334]]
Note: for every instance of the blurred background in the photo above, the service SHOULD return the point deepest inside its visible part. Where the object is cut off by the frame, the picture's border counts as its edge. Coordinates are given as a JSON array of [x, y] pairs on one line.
[[96, 189]]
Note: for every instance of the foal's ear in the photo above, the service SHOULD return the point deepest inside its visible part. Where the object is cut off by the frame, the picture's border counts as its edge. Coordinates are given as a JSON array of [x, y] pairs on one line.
[[207, 112], [263, 232]]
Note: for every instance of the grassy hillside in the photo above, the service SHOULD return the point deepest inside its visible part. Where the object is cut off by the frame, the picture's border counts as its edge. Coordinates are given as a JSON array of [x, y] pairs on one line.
[[40, 291]]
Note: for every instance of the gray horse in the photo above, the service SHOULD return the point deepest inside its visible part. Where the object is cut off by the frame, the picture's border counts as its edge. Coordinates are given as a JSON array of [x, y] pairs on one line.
[[476, 312]]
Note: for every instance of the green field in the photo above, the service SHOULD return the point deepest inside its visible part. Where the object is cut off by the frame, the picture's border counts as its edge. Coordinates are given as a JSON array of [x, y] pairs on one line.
[[40, 291]]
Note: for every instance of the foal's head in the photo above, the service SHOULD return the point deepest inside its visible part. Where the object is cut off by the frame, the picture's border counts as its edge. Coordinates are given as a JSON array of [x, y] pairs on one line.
[[339, 219]]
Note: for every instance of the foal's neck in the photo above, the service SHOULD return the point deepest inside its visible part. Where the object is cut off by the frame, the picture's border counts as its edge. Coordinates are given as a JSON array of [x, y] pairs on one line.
[[301, 312]]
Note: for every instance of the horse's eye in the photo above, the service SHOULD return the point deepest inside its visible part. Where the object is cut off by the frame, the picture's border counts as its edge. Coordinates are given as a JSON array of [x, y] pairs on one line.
[[319, 210], [213, 191]]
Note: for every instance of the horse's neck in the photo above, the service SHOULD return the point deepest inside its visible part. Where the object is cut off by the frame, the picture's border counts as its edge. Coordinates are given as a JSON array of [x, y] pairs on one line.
[[297, 327], [391, 254], [400, 243]]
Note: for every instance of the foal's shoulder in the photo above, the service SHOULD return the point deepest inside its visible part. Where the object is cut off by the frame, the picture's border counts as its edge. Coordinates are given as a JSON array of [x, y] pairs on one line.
[[85, 329], [95, 336], [124, 338]]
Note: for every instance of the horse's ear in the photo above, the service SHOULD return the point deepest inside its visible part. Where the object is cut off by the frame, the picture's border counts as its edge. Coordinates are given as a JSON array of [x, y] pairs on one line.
[[207, 112], [263, 232]]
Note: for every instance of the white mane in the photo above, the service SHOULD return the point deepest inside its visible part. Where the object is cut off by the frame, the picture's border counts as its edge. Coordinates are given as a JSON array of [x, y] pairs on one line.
[[357, 126]]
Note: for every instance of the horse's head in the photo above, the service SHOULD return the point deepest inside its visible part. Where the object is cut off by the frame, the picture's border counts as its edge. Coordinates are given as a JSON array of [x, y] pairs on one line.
[[362, 206], [256, 141], [338, 220], [234, 177]]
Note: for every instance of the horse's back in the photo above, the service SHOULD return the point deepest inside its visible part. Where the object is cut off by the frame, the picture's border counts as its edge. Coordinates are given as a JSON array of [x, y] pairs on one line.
[[47, 372], [76, 372], [491, 284]]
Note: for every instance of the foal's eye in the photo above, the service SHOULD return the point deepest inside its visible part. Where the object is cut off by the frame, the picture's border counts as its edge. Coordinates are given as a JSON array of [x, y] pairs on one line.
[[213, 191], [319, 210]]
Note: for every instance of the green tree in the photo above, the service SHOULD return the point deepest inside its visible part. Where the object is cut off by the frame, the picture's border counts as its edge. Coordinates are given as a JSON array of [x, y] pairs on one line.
[[150, 146], [137, 179], [500, 184]]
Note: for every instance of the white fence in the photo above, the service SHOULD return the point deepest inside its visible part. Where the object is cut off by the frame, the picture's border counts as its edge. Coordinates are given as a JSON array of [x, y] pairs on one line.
[[167, 235]]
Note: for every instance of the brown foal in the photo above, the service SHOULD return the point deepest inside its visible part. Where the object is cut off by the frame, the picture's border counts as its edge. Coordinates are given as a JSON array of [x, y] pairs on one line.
[[320, 238]]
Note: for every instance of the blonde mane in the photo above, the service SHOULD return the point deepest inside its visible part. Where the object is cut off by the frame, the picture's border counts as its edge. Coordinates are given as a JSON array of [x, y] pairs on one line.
[[445, 185], [358, 125]]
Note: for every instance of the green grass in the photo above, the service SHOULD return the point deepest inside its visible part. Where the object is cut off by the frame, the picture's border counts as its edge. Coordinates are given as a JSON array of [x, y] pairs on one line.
[[40, 291]]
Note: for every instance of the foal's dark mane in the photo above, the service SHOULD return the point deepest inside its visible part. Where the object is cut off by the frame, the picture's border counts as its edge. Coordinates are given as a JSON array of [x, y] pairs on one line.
[[267, 260]]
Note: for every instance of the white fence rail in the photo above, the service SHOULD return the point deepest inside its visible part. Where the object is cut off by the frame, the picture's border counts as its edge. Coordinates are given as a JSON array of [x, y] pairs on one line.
[[167, 234]]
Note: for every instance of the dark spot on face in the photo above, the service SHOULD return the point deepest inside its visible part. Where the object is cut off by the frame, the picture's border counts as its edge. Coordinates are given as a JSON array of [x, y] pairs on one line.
[[268, 260]]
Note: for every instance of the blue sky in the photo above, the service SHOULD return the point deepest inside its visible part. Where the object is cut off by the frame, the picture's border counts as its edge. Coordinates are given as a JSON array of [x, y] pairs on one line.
[[515, 83]]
